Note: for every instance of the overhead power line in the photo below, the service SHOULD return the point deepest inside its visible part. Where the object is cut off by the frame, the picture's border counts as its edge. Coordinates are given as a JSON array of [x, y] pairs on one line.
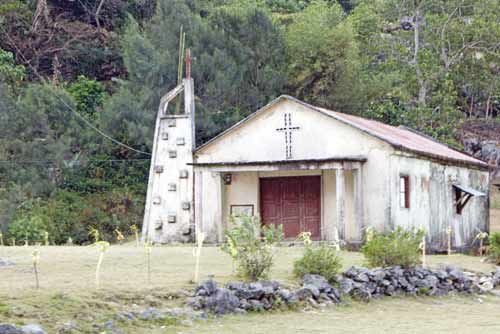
[[87, 122], [72, 161]]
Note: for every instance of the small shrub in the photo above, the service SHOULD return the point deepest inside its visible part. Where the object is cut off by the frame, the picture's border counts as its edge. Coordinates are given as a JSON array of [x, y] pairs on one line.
[[251, 246], [494, 248], [397, 248], [28, 229], [321, 260]]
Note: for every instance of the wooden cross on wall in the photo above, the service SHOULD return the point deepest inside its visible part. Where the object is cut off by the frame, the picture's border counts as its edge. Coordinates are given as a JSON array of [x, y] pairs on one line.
[[287, 130]]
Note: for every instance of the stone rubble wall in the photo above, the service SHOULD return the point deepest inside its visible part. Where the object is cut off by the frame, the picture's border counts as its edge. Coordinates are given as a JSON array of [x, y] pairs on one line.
[[357, 283]]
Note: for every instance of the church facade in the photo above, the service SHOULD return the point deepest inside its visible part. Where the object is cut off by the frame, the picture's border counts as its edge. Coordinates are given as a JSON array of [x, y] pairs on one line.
[[309, 169]]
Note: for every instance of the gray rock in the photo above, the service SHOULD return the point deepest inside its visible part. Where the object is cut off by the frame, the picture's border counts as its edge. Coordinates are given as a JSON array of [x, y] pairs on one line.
[[315, 292], [32, 329], [245, 305], [345, 285], [10, 329], [196, 303], [441, 274], [206, 288], [361, 294], [457, 275], [285, 295], [256, 305], [318, 281], [252, 291], [430, 282], [223, 301], [377, 275], [361, 277], [235, 286], [275, 285]]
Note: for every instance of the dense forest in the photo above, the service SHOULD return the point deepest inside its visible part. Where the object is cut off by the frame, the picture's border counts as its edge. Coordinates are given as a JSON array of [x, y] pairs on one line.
[[80, 81]]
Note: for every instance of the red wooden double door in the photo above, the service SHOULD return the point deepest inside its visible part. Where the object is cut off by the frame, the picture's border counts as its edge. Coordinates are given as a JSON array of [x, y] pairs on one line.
[[294, 202]]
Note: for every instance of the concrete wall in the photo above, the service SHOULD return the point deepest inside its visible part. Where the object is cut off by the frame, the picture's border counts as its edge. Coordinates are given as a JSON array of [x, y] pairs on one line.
[[432, 200], [169, 205], [244, 190]]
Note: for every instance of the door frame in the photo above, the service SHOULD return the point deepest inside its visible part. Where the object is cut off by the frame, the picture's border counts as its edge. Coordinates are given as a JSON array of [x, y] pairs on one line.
[[321, 198]]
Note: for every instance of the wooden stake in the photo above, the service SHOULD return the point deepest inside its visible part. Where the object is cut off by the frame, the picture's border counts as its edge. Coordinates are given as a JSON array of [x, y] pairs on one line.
[[148, 247], [337, 239], [423, 246], [103, 248], [36, 258], [200, 237], [448, 233]]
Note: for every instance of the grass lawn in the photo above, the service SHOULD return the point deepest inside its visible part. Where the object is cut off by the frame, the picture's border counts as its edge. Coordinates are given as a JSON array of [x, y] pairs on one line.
[[68, 293]]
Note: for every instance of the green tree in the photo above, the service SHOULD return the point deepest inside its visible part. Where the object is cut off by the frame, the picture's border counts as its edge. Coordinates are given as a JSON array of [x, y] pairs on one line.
[[237, 65], [10, 73], [88, 94], [324, 62]]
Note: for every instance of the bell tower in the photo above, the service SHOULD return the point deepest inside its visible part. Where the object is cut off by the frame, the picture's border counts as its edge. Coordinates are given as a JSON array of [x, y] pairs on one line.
[[169, 211]]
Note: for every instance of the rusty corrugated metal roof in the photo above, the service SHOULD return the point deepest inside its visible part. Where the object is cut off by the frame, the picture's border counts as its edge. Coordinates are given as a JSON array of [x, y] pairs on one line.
[[404, 138]]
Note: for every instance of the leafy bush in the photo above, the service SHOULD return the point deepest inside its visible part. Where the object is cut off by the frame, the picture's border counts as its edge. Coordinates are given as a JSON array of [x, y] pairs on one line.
[[494, 248], [28, 229], [321, 260], [72, 215], [251, 245], [398, 248], [88, 94]]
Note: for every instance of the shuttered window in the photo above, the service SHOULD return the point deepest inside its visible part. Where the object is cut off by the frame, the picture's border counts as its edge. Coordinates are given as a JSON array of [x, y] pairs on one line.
[[404, 191]]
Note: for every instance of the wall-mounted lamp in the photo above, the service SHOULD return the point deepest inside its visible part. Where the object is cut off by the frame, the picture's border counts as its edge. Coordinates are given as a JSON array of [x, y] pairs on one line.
[[228, 178]]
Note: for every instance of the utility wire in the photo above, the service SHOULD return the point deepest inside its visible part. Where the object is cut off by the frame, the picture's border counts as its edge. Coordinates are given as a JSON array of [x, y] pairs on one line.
[[89, 124], [72, 161]]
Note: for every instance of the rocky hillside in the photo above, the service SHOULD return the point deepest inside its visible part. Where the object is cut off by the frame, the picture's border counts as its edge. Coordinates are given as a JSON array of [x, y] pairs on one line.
[[481, 138]]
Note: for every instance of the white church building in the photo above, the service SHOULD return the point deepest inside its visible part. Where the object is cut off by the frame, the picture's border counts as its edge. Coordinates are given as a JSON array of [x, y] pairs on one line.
[[309, 169]]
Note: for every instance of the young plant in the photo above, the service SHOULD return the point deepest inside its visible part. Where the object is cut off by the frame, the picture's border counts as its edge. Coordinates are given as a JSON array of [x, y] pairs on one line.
[[494, 248], [46, 238], [135, 231], [13, 241], [397, 248], [148, 247], [481, 236], [200, 237], [103, 248], [251, 246], [94, 234], [1, 239], [321, 260], [119, 236], [35, 256]]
